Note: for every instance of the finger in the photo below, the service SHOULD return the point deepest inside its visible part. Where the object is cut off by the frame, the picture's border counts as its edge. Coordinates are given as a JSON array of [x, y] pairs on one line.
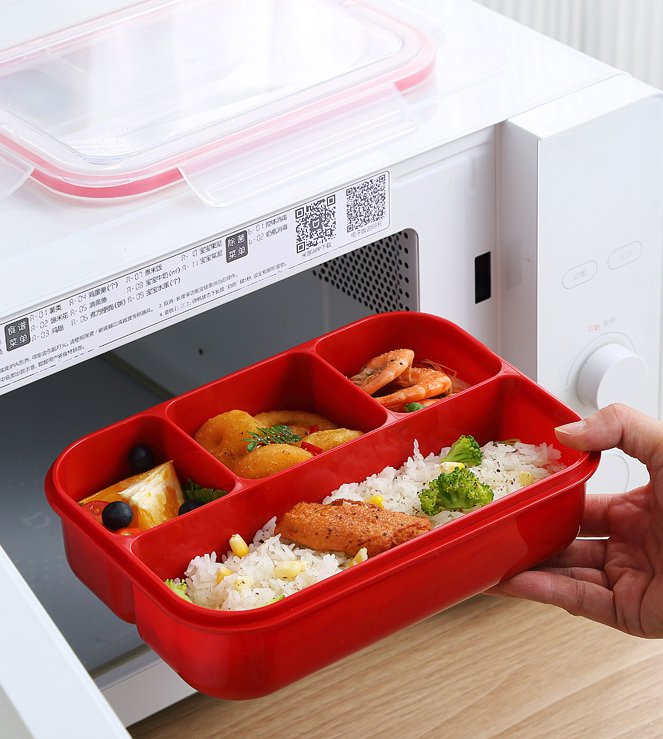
[[578, 597], [586, 574], [578, 556], [595, 520], [617, 425], [580, 553]]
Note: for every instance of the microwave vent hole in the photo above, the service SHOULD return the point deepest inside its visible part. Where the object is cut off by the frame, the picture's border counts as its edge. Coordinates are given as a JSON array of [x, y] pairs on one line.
[[382, 276]]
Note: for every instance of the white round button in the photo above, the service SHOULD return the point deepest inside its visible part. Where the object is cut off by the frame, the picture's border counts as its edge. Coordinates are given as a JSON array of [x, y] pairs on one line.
[[613, 374]]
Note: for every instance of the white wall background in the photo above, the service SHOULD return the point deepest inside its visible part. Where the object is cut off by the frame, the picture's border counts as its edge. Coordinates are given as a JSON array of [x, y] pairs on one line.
[[627, 34]]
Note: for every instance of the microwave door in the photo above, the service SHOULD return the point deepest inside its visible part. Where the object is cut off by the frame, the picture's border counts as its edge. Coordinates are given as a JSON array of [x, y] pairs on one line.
[[49, 692]]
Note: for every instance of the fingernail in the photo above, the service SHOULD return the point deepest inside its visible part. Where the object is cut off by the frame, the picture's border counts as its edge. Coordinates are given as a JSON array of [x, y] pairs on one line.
[[571, 428]]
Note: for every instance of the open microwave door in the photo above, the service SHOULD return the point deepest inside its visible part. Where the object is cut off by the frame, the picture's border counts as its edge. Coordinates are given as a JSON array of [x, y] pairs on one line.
[[48, 690]]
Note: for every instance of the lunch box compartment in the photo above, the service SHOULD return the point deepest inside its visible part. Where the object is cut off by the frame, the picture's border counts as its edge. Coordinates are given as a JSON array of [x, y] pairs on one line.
[[291, 381], [101, 459], [462, 356], [246, 654]]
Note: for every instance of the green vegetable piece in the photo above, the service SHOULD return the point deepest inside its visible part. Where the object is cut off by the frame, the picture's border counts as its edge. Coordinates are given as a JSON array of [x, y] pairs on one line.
[[271, 435], [193, 491], [275, 600], [411, 407], [179, 588], [466, 450], [459, 490]]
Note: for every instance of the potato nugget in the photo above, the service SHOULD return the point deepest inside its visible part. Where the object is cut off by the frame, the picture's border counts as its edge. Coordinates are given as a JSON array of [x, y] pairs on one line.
[[299, 421], [225, 436], [270, 459], [331, 437]]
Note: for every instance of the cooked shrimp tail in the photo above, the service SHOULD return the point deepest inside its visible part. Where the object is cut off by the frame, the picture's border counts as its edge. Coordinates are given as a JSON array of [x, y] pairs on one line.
[[417, 383], [457, 385], [383, 369]]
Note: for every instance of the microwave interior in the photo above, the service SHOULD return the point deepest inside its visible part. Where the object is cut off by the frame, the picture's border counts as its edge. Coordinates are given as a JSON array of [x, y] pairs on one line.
[[50, 414]]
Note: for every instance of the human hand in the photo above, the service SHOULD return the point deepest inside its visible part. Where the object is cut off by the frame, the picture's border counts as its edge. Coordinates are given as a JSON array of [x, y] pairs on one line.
[[616, 580]]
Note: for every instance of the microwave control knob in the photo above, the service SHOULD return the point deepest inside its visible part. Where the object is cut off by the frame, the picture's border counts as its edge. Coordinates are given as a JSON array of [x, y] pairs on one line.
[[613, 374]]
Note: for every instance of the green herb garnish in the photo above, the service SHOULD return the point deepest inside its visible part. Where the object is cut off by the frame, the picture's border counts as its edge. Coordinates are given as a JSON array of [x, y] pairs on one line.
[[409, 407], [271, 435], [179, 588], [193, 491]]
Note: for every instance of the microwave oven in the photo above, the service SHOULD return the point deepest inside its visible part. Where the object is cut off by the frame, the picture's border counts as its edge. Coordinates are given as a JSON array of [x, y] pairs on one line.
[[510, 184]]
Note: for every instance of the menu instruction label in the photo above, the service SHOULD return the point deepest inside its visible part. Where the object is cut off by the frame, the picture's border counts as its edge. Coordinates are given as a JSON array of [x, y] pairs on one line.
[[202, 276]]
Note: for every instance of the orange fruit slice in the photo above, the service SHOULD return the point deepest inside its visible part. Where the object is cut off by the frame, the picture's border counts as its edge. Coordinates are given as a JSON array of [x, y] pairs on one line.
[[154, 496]]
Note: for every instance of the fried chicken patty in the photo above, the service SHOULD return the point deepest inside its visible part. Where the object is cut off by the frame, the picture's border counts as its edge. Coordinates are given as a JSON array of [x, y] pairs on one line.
[[348, 525]]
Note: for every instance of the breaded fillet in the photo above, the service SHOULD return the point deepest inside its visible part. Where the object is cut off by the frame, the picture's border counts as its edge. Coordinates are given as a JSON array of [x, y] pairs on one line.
[[347, 525]]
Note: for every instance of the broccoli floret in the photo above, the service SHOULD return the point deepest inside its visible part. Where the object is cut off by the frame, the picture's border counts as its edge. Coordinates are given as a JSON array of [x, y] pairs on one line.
[[466, 450], [179, 588], [459, 490]]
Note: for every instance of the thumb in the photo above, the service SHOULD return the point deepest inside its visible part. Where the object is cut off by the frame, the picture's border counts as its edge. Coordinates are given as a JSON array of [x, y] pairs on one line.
[[617, 425]]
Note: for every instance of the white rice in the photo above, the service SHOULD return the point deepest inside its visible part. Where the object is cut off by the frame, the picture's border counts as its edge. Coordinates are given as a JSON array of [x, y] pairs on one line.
[[505, 468], [252, 583]]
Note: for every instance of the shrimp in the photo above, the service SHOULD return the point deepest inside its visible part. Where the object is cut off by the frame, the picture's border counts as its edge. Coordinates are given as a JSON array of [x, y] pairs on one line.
[[417, 383], [383, 369], [457, 385]]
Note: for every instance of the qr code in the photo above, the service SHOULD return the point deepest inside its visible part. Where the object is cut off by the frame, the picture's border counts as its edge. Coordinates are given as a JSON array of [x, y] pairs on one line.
[[316, 222], [366, 202]]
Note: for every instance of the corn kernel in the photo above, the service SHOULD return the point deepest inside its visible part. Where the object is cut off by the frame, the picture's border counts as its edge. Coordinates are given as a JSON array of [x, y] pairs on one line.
[[238, 545], [289, 570], [221, 573], [525, 478], [361, 556], [447, 467], [376, 500]]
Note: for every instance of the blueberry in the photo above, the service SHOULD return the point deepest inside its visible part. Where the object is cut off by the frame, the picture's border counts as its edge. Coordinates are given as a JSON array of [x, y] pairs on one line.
[[188, 505], [117, 515], [141, 458]]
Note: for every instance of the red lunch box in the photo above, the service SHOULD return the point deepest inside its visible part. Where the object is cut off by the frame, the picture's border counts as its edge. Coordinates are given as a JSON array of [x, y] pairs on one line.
[[246, 654]]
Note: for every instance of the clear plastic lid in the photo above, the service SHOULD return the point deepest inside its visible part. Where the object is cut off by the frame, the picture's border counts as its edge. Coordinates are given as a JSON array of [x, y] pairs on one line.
[[125, 103]]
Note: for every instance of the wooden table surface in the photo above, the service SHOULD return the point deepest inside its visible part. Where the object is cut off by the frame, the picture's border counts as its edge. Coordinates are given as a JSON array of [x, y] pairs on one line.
[[489, 667]]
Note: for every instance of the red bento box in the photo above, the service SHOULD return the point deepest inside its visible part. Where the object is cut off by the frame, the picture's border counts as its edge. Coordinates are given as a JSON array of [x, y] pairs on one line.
[[246, 654]]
